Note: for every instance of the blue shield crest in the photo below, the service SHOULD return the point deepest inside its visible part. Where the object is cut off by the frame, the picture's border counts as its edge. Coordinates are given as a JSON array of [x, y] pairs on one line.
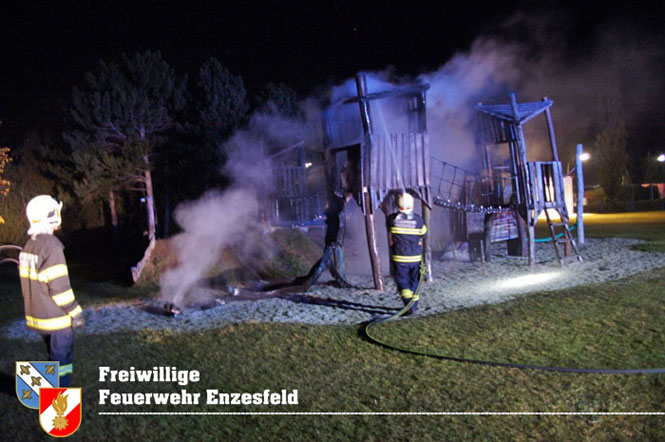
[[33, 375]]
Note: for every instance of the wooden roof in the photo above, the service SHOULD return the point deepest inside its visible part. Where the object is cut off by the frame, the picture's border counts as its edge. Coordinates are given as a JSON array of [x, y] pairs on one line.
[[506, 112]]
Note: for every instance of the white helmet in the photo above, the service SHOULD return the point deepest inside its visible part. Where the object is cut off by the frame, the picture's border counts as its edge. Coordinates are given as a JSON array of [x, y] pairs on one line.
[[405, 203], [43, 214]]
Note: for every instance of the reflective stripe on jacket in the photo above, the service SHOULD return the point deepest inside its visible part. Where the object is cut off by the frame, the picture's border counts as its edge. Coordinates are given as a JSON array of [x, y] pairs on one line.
[[49, 300], [406, 232]]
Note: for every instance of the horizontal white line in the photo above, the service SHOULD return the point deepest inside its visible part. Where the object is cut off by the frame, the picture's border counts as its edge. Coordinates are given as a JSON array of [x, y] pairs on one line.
[[380, 413]]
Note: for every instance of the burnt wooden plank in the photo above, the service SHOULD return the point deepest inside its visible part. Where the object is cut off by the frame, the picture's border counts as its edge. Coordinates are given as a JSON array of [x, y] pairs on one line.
[[375, 152], [420, 157], [390, 173], [427, 158]]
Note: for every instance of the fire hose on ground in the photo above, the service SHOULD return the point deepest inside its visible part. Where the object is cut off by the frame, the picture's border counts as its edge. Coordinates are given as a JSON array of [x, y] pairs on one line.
[[434, 354]]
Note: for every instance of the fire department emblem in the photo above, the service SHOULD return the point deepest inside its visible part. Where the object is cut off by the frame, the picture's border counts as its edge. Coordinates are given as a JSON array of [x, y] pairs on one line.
[[60, 411], [31, 377]]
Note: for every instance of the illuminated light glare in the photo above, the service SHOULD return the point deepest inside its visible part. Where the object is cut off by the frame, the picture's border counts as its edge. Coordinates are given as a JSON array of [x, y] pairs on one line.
[[661, 157], [308, 165], [527, 280], [584, 156]]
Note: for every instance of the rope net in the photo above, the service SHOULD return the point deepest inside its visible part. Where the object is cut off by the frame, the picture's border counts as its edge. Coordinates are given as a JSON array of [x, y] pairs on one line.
[[459, 189]]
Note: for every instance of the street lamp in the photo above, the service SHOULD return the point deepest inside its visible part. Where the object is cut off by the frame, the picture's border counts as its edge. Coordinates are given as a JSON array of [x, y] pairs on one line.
[[661, 159], [580, 156]]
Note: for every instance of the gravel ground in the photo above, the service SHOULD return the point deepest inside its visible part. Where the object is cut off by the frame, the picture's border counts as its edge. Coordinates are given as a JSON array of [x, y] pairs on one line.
[[457, 284]]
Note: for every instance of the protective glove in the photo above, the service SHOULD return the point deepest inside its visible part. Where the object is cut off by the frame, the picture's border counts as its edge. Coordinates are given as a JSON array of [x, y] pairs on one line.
[[78, 322]]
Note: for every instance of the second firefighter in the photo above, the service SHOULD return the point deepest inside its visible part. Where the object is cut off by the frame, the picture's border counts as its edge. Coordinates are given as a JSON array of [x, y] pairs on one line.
[[405, 231]]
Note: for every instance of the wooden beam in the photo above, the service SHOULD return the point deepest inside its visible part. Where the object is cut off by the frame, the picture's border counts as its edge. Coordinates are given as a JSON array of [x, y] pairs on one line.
[[550, 129], [526, 206], [375, 261], [427, 246], [372, 246]]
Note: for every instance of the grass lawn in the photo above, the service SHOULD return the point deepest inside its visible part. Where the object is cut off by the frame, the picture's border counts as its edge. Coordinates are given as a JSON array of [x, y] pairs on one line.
[[335, 369]]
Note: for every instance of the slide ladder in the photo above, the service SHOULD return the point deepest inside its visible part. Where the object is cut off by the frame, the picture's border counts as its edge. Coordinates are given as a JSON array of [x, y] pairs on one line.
[[566, 240]]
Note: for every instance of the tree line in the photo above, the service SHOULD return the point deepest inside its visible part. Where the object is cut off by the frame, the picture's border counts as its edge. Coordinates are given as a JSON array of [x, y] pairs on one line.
[[137, 136]]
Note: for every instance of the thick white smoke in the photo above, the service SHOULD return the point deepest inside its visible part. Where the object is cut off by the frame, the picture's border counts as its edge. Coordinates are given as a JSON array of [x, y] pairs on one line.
[[214, 221], [486, 72], [489, 71], [231, 218]]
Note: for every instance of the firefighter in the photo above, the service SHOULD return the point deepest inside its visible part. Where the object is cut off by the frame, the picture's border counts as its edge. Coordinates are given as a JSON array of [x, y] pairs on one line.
[[50, 306], [405, 232]]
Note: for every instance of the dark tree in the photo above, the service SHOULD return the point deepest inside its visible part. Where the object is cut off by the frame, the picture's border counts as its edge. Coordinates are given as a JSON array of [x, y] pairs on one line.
[[611, 158], [32, 171], [223, 102], [280, 98], [121, 114], [219, 108]]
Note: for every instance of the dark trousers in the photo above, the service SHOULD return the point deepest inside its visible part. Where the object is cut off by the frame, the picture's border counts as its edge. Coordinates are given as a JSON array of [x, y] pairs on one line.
[[406, 276], [60, 347]]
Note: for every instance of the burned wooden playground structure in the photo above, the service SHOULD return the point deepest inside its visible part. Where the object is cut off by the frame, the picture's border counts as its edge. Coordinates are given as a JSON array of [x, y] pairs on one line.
[[376, 145]]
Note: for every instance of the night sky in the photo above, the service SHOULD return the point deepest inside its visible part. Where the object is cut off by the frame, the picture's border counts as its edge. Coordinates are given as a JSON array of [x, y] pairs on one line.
[[48, 46]]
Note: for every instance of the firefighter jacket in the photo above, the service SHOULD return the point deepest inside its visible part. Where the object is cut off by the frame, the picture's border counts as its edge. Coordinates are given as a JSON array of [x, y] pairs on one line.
[[47, 294], [406, 232]]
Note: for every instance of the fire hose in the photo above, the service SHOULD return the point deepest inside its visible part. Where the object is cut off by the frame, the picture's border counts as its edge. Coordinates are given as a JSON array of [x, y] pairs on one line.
[[9, 259], [434, 354]]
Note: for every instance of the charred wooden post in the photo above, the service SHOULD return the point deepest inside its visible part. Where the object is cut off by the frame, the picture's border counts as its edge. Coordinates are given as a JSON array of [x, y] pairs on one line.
[[375, 261], [526, 188], [550, 130], [426, 173], [555, 157], [427, 246]]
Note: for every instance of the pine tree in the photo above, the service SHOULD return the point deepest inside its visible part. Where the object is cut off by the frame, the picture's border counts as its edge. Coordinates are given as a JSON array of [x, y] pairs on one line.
[[223, 101], [220, 107], [611, 157], [279, 98], [121, 114]]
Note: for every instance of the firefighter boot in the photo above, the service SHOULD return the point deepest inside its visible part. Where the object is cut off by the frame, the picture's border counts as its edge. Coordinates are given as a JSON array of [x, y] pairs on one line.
[[407, 296], [413, 309]]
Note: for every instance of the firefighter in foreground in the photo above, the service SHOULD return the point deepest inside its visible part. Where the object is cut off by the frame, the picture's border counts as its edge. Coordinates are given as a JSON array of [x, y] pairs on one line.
[[50, 306], [405, 231]]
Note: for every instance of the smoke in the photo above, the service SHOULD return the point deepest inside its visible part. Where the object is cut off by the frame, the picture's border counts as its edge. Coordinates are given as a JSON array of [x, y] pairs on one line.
[[527, 55], [232, 218], [484, 73], [614, 67], [487, 72], [213, 222], [249, 150]]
